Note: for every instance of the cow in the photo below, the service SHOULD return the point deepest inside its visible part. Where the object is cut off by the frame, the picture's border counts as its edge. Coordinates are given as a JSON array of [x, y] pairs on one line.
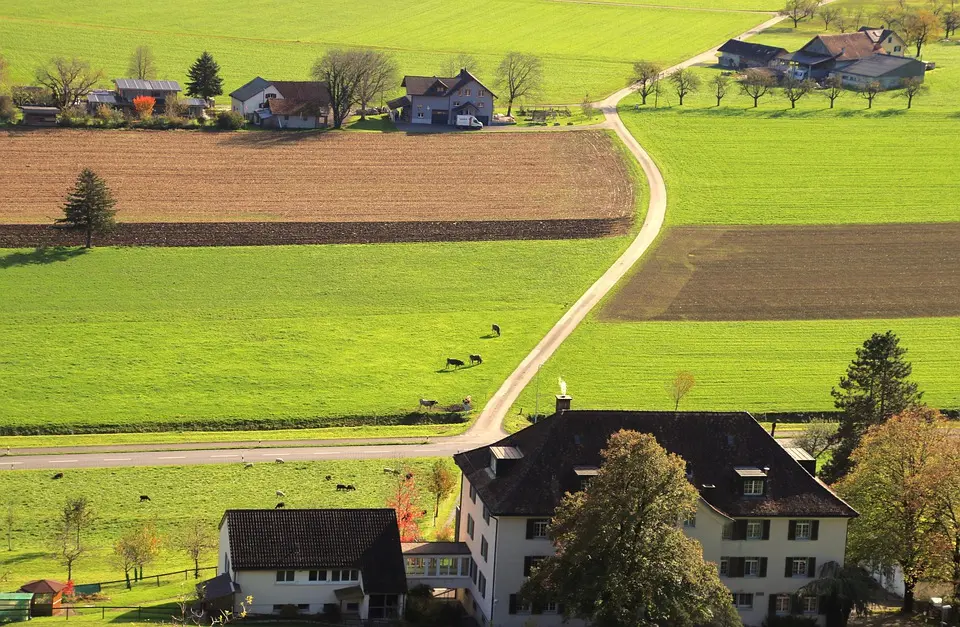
[[328, 477], [350, 486], [280, 493], [452, 361], [59, 475], [279, 460], [496, 329], [428, 403], [144, 497], [476, 360], [341, 487], [248, 465], [391, 471], [280, 505]]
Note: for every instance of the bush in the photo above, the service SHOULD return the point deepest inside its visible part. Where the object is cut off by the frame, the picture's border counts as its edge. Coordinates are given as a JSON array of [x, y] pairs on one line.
[[790, 620], [74, 116], [230, 121], [289, 611], [7, 110]]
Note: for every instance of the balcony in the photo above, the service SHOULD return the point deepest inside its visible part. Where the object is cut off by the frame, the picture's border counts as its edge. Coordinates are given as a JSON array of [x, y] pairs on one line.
[[437, 564]]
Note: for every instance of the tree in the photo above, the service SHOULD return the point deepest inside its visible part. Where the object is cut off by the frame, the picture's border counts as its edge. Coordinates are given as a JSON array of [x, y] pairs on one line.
[[9, 520], [895, 487], [875, 388], [68, 80], [798, 10], [462, 61], [341, 70], [919, 27], [125, 555], [950, 507], [204, 78], [794, 89], [912, 87], [721, 83], [378, 74], [143, 105], [75, 516], [756, 84], [143, 546], [869, 92], [89, 207], [440, 482], [646, 76], [951, 22], [79, 514], [829, 14], [587, 108], [622, 558], [858, 14], [196, 540], [405, 500], [843, 20], [833, 88], [520, 76], [685, 82], [142, 64], [841, 589], [889, 16], [680, 386], [817, 437]]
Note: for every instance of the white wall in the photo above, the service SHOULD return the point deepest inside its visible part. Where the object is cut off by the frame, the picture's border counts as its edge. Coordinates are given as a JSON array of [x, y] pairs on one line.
[[248, 106], [481, 530]]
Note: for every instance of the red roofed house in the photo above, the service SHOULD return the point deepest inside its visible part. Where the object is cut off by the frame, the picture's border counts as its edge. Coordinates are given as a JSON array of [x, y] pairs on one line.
[[46, 596]]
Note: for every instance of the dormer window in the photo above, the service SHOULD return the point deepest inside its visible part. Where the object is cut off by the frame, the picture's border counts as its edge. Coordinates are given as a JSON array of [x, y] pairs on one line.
[[585, 474], [753, 487], [752, 480], [502, 458]]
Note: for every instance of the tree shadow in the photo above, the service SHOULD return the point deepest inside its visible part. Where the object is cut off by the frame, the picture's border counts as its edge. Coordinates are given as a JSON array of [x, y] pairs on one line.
[[267, 138], [40, 256], [24, 557]]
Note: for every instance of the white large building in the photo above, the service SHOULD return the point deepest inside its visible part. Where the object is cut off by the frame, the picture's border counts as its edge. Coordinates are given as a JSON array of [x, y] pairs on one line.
[[763, 518]]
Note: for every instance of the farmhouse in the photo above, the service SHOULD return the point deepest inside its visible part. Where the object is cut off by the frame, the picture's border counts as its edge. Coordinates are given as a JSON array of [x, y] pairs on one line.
[[312, 561], [126, 89], [887, 39], [827, 53], [763, 518], [433, 100], [889, 71], [741, 55], [306, 103]]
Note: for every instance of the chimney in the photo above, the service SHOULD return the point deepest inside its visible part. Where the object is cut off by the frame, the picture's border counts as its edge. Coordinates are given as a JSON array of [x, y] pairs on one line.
[[563, 403]]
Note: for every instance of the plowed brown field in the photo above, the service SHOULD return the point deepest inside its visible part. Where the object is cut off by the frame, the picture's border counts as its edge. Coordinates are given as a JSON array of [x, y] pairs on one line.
[[796, 273], [188, 176]]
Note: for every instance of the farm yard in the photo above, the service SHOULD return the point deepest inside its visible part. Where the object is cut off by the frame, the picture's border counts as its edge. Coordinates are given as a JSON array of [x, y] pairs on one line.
[[325, 177]]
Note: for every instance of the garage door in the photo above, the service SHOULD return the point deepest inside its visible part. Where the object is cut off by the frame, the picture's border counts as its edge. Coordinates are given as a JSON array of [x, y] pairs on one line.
[[484, 119], [439, 117]]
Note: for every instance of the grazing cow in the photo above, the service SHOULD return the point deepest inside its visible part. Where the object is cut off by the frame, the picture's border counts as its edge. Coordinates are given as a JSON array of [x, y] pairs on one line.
[[328, 477], [456, 363], [496, 329], [476, 359], [341, 487], [280, 505], [391, 471], [248, 465], [144, 497], [409, 476], [350, 486], [59, 475], [428, 403], [280, 493], [279, 460]]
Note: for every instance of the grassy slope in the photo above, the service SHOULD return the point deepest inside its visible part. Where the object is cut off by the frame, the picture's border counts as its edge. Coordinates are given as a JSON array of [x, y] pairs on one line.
[[734, 165], [587, 47], [179, 494]]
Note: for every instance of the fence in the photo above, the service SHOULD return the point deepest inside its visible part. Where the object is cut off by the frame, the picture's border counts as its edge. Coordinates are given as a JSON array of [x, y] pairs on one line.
[[89, 588]]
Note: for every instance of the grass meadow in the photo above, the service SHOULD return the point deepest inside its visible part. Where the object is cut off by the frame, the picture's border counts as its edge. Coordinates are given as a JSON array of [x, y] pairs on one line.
[[178, 495], [586, 47]]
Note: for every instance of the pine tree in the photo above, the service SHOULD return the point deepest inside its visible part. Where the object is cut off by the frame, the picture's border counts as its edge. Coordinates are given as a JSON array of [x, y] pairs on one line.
[[205, 81], [89, 207], [876, 387]]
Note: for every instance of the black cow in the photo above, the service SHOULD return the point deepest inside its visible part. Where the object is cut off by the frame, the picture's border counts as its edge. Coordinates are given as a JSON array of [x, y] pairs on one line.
[[341, 487], [496, 329], [280, 505], [144, 497], [428, 403], [59, 475], [456, 363], [476, 360]]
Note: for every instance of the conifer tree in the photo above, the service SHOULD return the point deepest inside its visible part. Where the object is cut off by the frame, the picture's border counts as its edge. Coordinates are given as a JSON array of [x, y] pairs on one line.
[[205, 81], [89, 207]]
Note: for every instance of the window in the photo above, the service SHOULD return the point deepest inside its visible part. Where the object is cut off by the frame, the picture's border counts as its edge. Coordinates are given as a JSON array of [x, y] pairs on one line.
[[690, 522], [802, 530], [896, 48], [465, 566], [486, 515], [728, 531], [524, 607], [724, 566], [284, 576], [415, 566], [353, 606], [420, 114], [345, 575], [448, 565], [484, 548], [303, 607], [753, 487], [473, 491], [798, 567], [470, 526], [480, 105], [754, 530], [456, 103], [473, 570], [384, 606], [751, 566], [481, 93], [550, 607], [743, 600], [317, 575], [482, 586], [530, 562], [466, 92], [782, 604], [540, 528], [286, 118], [277, 608], [810, 605]]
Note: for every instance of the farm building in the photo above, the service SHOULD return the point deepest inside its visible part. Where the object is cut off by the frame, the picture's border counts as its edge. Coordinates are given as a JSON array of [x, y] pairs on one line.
[[307, 103], [889, 71], [887, 39], [825, 54], [15, 606], [39, 116], [129, 88], [433, 100], [741, 55], [46, 596]]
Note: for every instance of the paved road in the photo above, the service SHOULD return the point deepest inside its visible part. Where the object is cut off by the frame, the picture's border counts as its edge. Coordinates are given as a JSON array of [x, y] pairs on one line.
[[489, 425]]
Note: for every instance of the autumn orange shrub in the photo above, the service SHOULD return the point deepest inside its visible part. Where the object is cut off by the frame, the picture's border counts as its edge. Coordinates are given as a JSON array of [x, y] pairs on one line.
[[143, 105]]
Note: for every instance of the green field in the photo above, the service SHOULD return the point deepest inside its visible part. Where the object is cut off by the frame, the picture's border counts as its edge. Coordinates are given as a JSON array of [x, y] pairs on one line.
[[178, 495], [587, 48]]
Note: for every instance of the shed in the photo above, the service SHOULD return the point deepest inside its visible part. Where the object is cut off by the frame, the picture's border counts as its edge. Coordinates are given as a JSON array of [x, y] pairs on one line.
[[39, 116], [46, 595], [15, 606]]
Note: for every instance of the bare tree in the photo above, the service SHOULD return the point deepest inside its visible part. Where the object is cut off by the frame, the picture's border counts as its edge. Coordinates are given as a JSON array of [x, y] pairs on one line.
[[197, 539], [919, 27], [680, 386], [951, 22], [67, 540], [68, 80], [889, 16], [462, 61], [829, 15], [912, 87], [869, 92], [646, 76], [798, 10], [721, 84], [587, 108], [520, 75], [378, 73], [858, 14], [142, 64], [794, 89], [685, 82], [9, 520], [756, 84], [342, 71], [843, 20], [833, 88], [816, 437]]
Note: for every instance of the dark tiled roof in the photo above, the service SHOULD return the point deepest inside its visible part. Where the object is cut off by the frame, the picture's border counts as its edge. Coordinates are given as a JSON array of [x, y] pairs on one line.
[[304, 91], [713, 444], [759, 52], [846, 47], [250, 89], [42, 586], [367, 539], [428, 85], [882, 65], [283, 106], [218, 587]]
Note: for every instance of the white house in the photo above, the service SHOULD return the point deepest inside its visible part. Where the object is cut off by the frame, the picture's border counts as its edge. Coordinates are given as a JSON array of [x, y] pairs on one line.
[[283, 104], [763, 519], [319, 561]]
